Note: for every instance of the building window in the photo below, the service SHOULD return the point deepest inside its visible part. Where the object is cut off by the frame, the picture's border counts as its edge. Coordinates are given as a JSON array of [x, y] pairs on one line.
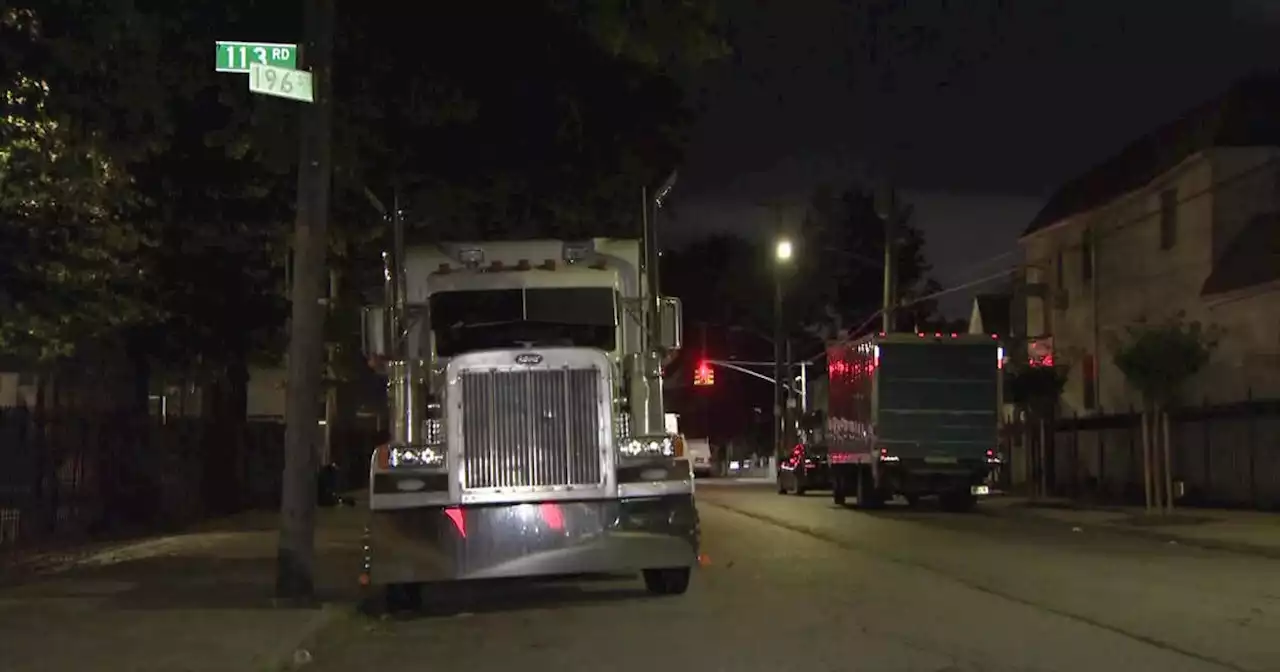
[[1086, 258], [1168, 218]]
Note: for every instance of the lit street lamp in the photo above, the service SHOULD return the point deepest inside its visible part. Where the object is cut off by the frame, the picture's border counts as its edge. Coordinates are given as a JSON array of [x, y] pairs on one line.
[[783, 250]]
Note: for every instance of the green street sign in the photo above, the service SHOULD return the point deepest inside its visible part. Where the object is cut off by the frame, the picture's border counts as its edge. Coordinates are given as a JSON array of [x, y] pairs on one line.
[[237, 56]]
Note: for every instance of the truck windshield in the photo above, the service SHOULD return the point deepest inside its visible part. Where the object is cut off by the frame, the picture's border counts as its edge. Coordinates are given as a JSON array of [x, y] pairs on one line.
[[503, 318]]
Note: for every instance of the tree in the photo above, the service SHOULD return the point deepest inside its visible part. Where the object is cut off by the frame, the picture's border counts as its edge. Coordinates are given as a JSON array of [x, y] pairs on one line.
[[1157, 360], [73, 276], [842, 268]]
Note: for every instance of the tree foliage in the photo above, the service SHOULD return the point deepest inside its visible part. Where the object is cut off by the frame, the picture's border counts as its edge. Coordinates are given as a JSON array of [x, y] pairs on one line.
[[1159, 358], [177, 183], [71, 272], [842, 263], [1036, 388], [833, 285]]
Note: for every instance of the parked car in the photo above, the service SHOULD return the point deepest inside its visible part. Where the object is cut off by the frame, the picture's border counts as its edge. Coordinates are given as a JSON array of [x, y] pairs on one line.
[[804, 469]]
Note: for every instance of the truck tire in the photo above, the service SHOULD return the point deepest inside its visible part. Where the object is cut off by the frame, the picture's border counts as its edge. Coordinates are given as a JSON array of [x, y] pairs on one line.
[[782, 487], [868, 496], [667, 581], [838, 489], [798, 488]]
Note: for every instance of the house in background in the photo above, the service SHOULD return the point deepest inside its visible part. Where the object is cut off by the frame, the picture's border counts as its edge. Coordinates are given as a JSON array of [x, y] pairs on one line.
[[1182, 220], [992, 314]]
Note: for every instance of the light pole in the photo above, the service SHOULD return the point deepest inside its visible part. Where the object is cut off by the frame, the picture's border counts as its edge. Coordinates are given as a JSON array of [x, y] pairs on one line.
[[781, 261]]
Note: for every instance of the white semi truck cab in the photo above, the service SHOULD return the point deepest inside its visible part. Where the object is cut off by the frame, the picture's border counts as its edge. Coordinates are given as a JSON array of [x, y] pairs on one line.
[[527, 427]]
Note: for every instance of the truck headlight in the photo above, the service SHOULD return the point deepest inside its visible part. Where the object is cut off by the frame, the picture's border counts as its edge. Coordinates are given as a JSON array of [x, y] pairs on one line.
[[648, 446], [622, 426], [415, 456], [433, 431]]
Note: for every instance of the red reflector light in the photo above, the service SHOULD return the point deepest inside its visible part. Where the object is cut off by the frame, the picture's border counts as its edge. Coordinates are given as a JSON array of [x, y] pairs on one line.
[[955, 335]]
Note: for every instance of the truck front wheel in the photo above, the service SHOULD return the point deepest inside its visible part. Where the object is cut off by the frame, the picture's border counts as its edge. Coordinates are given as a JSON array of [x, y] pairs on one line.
[[667, 581]]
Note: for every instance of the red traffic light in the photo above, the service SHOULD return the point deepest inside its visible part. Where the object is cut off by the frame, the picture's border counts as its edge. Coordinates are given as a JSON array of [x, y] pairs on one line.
[[704, 374]]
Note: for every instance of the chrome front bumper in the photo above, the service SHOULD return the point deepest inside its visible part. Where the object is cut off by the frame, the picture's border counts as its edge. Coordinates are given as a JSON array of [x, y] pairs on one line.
[[533, 539]]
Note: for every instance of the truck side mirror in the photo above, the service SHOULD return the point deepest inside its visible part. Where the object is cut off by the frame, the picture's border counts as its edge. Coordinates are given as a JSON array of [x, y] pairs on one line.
[[670, 319], [373, 331]]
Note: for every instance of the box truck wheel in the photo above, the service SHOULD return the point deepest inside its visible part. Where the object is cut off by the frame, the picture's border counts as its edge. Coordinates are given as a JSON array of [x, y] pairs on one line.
[[667, 581], [839, 488], [868, 496]]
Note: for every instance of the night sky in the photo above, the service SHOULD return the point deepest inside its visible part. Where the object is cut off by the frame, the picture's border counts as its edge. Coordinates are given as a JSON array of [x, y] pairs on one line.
[[977, 109]]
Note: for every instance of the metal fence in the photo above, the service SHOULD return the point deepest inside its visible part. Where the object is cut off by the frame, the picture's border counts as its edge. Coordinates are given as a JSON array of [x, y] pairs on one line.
[[1225, 455], [71, 476]]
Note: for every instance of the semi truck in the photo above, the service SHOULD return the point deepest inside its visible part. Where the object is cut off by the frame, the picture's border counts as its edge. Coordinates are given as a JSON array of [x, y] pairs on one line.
[[527, 429], [913, 415]]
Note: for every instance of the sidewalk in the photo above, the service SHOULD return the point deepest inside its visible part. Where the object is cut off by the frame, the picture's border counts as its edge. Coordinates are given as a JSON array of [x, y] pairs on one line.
[[192, 602], [1253, 532]]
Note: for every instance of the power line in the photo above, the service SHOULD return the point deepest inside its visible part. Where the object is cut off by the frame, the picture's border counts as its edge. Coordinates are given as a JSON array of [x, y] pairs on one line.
[[1093, 240], [973, 283]]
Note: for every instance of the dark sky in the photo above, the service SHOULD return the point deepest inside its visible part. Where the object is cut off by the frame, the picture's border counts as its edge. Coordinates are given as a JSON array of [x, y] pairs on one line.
[[977, 109]]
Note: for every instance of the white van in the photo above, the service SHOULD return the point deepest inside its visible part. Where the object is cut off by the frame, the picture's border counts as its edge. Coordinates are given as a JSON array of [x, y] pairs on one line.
[[697, 450]]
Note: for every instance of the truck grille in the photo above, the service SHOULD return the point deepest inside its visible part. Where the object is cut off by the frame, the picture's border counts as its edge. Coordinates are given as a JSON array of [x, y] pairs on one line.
[[530, 428]]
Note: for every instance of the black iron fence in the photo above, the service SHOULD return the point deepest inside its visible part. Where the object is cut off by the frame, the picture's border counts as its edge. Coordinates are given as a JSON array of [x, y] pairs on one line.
[[71, 476], [1225, 455]]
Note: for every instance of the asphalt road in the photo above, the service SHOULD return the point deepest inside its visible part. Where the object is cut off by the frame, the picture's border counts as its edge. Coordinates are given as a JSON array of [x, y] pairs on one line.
[[797, 584]]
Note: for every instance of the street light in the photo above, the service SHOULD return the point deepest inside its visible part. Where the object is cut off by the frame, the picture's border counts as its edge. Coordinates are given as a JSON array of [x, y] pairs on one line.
[[783, 250]]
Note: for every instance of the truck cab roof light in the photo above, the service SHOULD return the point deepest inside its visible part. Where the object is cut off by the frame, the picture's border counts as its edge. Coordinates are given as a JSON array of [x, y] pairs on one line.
[[471, 256], [548, 265], [523, 265], [444, 269], [575, 252], [495, 265]]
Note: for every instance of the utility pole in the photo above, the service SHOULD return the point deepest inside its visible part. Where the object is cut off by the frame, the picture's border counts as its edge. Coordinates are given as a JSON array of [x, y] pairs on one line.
[[887, 207], [295, 561], [779, 338]]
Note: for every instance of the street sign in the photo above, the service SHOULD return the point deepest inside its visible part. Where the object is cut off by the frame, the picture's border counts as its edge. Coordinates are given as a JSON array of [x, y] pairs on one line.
[[280, 82], [238, 56]]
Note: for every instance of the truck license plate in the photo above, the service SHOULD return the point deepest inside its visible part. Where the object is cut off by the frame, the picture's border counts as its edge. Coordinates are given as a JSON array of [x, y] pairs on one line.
[[980, 490]]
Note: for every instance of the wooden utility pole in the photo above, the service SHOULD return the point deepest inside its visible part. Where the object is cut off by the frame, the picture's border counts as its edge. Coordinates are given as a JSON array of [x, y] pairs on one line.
[[887, 207], [295, 562]]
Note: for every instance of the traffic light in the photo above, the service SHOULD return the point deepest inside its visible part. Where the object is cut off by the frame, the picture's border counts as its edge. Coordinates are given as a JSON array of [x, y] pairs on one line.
[[704, 374]]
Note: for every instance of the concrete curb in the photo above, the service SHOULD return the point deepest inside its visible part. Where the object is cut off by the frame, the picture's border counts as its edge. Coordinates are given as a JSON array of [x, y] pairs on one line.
[[283, 657], [1156, 535]]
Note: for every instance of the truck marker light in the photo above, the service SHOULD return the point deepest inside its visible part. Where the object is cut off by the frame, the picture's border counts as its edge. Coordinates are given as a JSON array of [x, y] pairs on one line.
[[523, 265], [459, 522], [551, 514], [548, 265], [471, 256]]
